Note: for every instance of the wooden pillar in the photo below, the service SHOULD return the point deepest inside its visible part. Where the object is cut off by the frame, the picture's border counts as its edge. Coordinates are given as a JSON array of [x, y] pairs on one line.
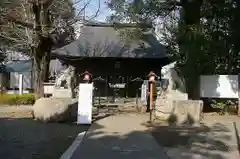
[[106, 87], [151, 102], [127, 86], [238, 95]]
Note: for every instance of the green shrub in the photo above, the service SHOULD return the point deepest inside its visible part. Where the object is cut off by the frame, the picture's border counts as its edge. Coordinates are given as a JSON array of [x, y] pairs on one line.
[[16, 99], [224, 105]]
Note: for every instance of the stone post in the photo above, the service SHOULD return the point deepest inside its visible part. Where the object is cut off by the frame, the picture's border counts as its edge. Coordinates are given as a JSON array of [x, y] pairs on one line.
[[20, 86]]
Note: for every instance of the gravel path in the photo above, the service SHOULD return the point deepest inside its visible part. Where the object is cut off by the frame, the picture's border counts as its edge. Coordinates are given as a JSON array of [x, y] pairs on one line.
[[23, 138], [4, 109]]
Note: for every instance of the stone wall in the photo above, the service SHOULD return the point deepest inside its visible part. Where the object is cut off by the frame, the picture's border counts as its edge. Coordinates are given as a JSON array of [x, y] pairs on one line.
[[179, 111]]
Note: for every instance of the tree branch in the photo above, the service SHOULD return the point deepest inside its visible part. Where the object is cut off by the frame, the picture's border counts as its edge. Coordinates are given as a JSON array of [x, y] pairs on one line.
[[10, 38], [97, 12], [16, 21], [83, 8]]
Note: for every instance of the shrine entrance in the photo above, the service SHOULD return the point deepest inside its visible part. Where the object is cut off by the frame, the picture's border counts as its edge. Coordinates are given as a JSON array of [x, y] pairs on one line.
[[116, 79], [117, 88]]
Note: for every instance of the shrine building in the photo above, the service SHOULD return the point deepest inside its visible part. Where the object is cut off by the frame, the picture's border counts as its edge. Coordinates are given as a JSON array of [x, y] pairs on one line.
[[112, 61]]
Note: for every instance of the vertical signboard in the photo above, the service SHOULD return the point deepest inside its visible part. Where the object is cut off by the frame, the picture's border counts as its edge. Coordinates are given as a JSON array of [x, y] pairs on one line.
[[144, 92], [85, 103]]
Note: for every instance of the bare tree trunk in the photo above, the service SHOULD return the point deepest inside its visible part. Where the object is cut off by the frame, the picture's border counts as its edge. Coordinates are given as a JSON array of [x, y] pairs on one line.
[[47, 64], [43, 46], [38, 78], [41, 60], [40, 70]]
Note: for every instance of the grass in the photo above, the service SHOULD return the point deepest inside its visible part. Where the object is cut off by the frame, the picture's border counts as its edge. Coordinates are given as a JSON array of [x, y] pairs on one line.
[[17, 99]]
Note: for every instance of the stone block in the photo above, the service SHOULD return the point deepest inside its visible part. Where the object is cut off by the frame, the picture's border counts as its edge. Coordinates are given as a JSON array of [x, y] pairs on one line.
[[141, 108], [175, 95], [55, 109], [62, 93], [163, 108], [179, 111]]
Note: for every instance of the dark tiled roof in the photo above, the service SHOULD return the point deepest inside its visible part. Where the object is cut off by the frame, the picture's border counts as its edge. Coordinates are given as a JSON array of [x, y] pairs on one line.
[[17, 66], [102, 41]]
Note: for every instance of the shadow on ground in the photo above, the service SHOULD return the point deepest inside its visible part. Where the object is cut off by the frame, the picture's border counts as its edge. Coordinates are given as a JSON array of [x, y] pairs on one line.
[[29, 139], [207, 142], [211, 139], [215, 141]]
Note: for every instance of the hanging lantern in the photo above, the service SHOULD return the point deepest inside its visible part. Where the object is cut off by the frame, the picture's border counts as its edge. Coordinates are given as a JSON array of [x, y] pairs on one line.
[[151, 76], [87, 76]]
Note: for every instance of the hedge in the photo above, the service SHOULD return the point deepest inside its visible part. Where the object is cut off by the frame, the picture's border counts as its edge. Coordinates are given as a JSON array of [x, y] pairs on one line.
[[17, 99]]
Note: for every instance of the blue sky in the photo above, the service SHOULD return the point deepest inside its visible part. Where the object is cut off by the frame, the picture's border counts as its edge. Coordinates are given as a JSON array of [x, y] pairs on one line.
[[92, 8]]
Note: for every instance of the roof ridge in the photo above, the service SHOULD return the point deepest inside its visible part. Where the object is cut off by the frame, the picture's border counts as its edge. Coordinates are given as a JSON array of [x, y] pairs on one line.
[[124, 25]]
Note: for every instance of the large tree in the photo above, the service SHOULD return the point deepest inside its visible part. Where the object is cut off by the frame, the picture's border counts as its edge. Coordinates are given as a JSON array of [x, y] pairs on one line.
[[200, 34], [150, 11], [35, 27]]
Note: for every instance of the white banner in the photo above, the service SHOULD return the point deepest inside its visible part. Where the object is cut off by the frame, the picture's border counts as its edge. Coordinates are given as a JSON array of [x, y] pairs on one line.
[[219, 86], [85, 103]]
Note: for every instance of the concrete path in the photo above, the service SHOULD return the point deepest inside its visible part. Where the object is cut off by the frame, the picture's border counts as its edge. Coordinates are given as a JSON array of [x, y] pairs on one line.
[[125, 136], [117, 137]]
